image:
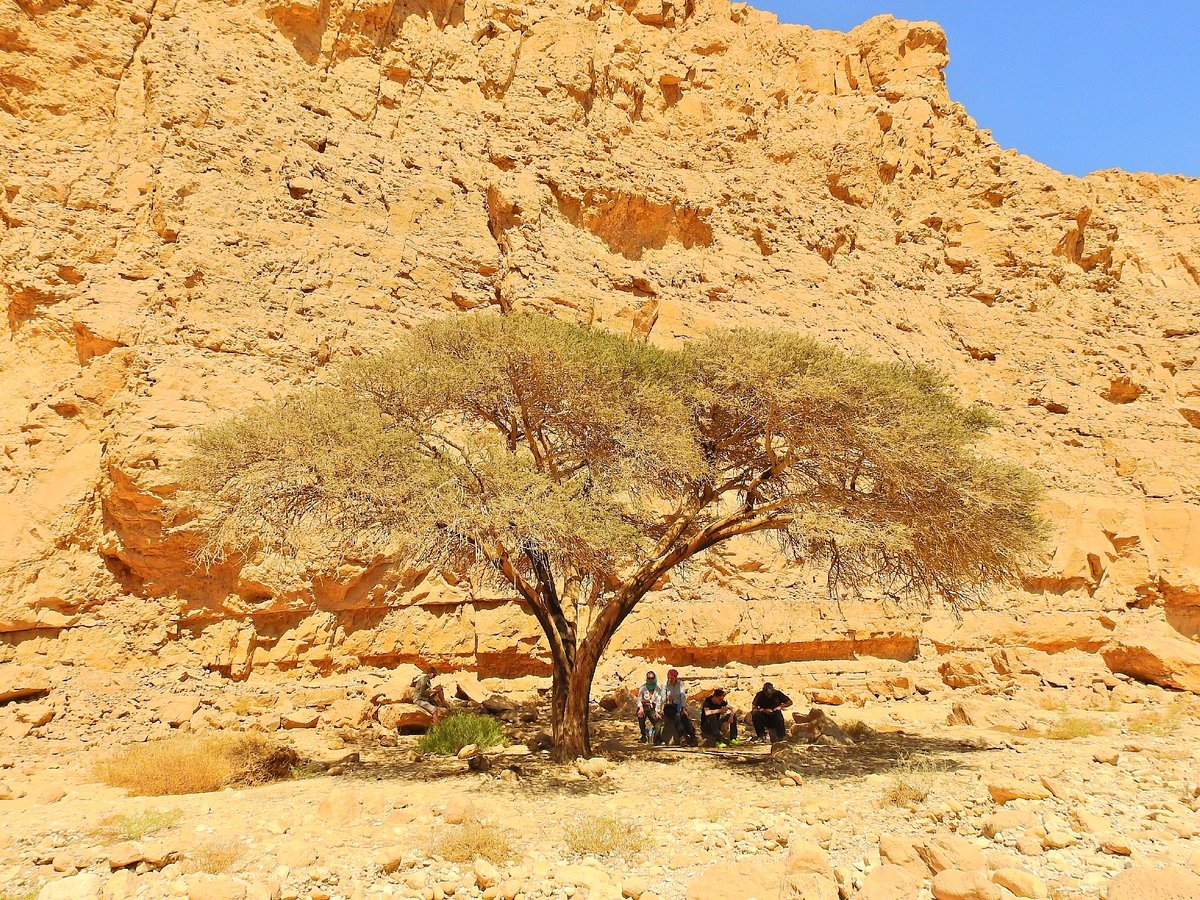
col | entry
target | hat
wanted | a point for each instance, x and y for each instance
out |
(671, 672)
(650, 676)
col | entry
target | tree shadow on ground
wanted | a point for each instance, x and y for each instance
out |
(615, 739)
(875, 754)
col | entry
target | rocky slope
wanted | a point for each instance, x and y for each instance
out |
(205, 203)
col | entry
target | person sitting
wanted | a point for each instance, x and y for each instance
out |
(767, 713)
(428, 697)
(650, 709)
(718, 722)
(676, 718)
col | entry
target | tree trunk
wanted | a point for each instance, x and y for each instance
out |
(558, 701)
(572, 733)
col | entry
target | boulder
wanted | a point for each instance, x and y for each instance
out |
(397, 688)
(85, 886)
(808, 873)
(1021, 883)
(955, 884)
(951, 851)
(23, 682)
(889, 882)
(1154, 651)
(723, 881)
(300, 718)
(348, 712)
(1145, 883)
(458, 810)
(178, 710)
(815, 727)
(397, 716)
(595, 767)
(1005, 789)
(468, 688)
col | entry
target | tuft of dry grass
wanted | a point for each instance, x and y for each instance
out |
(216, 855)
(601, 836)
(473, 840)
(18, 895)
(136, 825)
(196, 764)
(1068, 727)
(1162, 722)
(911, 783)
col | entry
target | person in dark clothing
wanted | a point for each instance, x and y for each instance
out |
(767, 713)
(718, 723)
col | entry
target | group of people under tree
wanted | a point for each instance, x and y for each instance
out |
(663, 715)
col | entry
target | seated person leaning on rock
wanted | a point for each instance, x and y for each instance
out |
(718, 722)
(677, 719)
(427, 697)
(767, 713)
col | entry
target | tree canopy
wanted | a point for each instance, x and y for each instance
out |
(578, 467)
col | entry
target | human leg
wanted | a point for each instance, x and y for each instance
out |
(759, 719)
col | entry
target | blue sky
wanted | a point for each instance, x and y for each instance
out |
(1078, 85)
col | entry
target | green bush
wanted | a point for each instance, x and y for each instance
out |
(457, 731)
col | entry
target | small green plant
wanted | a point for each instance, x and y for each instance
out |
(18, 895)
(457, 731)
(137, 825)
(473, 840)
(601, 836)
(911, 782)
(308, 770)
(1069, 727)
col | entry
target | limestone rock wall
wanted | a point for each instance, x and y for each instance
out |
(206, 203)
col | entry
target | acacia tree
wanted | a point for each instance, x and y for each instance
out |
(578, 467)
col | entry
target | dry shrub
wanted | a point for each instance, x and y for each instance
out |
(195, 764)
(136, 825)
(473, 840)
(911, 783)
(215, 855)
(601, 836)
(1068, 728)
(1163, 722)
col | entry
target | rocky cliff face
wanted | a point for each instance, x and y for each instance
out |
(205, 203)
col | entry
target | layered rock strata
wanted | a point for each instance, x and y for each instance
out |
(205, 204)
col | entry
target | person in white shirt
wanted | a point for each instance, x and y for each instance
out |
(649, 709)
(675, 708)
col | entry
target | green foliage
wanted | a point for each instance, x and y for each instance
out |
(136, 825)
(580, 466)
(457, 731)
